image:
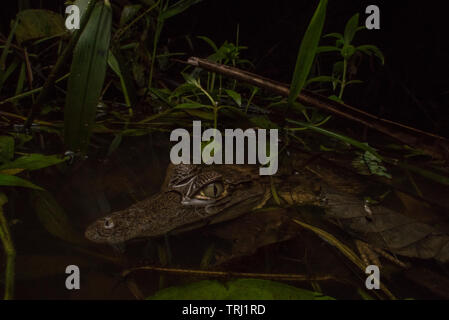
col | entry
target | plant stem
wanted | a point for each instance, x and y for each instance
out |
(215, 116)
(9, 251)
(157, 33)
(343, 81)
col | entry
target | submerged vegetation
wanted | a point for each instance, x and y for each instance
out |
(69, 95)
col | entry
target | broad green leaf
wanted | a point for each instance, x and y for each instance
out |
(86, 79)
(82, 5)
(53, 217)
(307, 51)
(240, 289)
(235, 96)
(33, 161)
(351, 29)
(13, 181)
(38, 23)
(6, 148)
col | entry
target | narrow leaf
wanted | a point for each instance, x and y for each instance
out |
(13, 181)
(307, 51)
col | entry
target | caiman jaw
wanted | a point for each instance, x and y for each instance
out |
(194, 196)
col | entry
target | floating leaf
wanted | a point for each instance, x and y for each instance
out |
(240, 289)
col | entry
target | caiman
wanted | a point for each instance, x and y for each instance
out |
(194, 196)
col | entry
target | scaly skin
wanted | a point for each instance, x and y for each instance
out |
(182, 205)
(179, 205)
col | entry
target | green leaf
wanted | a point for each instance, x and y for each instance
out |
(115, 143)
(347, 51)
(53, 217)
(307, 51)
(86, 79)
(235, 96)
(6, 148)
(38, 23)
(323, 49)
(358, 144)
(370, 49)
(34, 161)
(354, 82)
(209, 42)
(13, 181)
(129, 12)
(190, 80)
(338, 36)
(351, 29)
(369, 164)
(177, 8)
(115, 66)
(200, 114)
(240, 289)
(322, 79)
(193, 105)
(264, 122)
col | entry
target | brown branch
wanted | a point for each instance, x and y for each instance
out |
(433, 145)
(223, 274)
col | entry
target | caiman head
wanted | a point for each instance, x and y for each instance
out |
(192, 196)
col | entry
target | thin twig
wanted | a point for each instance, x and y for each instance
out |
(224, 274)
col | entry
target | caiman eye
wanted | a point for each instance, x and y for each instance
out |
(108, 223)
(211, 191)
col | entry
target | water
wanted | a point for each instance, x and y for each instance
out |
(136, 170)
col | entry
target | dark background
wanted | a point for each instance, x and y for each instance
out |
(412, 87)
